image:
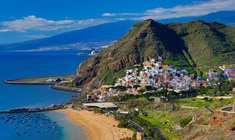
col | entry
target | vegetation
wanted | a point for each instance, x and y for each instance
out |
(197, 44)
(214, 103)
(134, 122)
(188, 58)
(166, 127)
(167, 115)
(105, 77)
(185, 121)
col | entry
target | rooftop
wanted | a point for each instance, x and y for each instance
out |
(101, 105)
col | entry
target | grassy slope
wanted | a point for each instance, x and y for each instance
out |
(209, 44)
(159, 114)
(194, 44)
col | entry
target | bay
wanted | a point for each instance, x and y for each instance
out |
(16, 65)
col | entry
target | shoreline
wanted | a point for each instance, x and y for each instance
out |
(97, 126)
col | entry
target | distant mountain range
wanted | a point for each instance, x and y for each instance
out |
(102, 35)
(225, 17)
(84, 39)
(196, 45)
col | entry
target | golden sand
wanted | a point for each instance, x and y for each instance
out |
(97, 126)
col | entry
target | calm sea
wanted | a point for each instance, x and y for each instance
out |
(36, 126)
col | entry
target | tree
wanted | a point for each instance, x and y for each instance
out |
(203, 90)
(232, 92)
(172, 94)
(182, 93)
(211, 92)
(162, 92)
(122, 88)
(148, 88)
(231, 85)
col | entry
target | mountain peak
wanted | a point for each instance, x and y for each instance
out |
(149, 21)
(191, 44)
(144, 41)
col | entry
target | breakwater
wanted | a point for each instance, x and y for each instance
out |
(65, 88)
(56, 82)
(18, 82)
(42, 109)
(49, 80)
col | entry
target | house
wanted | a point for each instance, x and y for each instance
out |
(230, 73)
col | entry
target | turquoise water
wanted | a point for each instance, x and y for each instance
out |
(14, 65)
(70, 130)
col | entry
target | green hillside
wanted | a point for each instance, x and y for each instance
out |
(209, 44)
(195, 44)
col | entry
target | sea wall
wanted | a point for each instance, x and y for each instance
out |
(65, 88)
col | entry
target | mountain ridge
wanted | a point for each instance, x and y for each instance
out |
(225, 17)
(104, 34)
(88, 38)
(191, 44)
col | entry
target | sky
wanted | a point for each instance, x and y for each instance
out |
(22, 20)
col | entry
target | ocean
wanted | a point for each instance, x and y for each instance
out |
(36, 126)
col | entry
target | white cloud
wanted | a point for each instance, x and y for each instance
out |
(5, 30)
(37, 36)
(119, 14)
(34, 23)
(108, 14)
(194, 9)
(41, 24)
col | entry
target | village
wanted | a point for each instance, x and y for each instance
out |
(157, 76)
(153, 78)
(144, 82)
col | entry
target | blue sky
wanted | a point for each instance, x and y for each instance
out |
(22, 20)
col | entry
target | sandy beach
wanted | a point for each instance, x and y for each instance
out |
(97, 126)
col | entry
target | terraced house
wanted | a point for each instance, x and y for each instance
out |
(159, 76)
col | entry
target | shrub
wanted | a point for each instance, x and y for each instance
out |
(145, 114)
(97, 110)
(185, 121)
(123, 124)
(214, 117)
(210, 100)
(221, 99)
(233, 122)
